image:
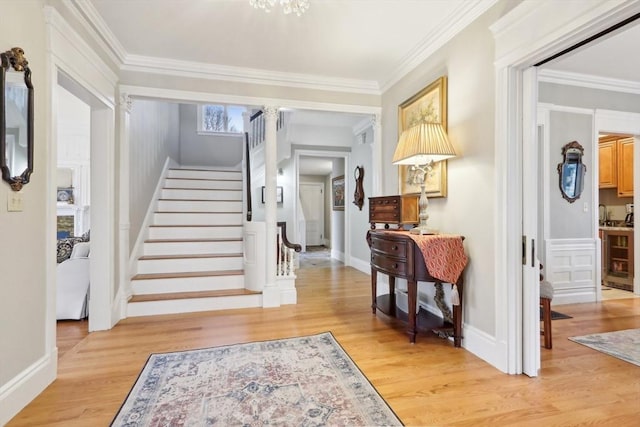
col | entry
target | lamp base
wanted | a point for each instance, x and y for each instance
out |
(423, 230)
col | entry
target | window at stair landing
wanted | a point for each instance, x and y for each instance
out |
(217, 119)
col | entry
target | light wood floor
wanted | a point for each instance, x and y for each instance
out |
(429, 383)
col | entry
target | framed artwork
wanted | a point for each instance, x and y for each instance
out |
(337, 193)
(428, 105)
(65, 195)
(279, 196)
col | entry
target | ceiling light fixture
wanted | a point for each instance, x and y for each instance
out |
(288, 6)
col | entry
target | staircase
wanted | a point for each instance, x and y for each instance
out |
(193, 257)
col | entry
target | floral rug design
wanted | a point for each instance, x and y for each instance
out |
(304, 381)
(624, 344)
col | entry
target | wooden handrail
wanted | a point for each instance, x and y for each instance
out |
(283, 226)
(248, 166)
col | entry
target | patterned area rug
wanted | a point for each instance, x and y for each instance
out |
(305, 381)
(624, 345)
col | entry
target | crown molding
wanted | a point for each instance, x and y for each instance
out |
(66, 32)
(208, 97)
(589, 81)
(457, 20)
(460, 18)
(246, 75)
(91, 21)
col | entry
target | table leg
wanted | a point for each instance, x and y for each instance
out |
(374, 290)
(412, 293)
(457, 316)
(392, 295)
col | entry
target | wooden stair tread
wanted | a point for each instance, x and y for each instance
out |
(188, 212)
(189, 295)
(187, 274)
(198, 200)
(219, 239)
(205, 170)
(207, 179)
(186, 256)
(196, 225)
(201, 189)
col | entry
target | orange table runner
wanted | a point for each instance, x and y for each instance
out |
(443, 255)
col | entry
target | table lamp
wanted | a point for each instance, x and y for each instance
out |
(421, 146)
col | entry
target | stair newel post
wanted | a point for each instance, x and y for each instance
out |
(271, 293)
(124, 287)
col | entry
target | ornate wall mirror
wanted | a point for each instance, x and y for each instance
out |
(572, 171)
(16, 119)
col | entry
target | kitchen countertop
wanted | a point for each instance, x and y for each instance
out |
(607, 228)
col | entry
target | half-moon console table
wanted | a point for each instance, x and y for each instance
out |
(401, 254)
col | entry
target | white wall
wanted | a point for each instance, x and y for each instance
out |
(74, 142)
(584, 97)
(154, 136)
(206, 150)
(361, 155)
(569, 220)
(337, 217)
(323, 136)
(469, 208)
(24, 349)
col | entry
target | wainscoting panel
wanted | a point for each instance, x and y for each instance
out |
(571, 269)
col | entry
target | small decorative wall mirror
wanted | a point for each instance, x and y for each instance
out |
(572, 171)
(16, 119)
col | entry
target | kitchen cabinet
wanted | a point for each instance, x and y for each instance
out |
(625, 167)
(608, 165)
(615, 168)
(617, 257)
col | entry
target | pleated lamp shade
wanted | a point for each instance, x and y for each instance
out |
(422, 144)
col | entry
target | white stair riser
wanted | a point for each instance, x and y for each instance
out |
(198, 206)
(185, 248)
(196, 194)
(150, 266)
(197, 218)
(187, 284)
(195, 232)
(203, 174)
(212, 185)
(193, 305)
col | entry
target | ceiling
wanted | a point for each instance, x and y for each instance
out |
(609, 56)
(334, 39)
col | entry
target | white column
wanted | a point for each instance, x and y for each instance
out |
(270, 294)
(124, 286)
(376, 156)
(246, 116)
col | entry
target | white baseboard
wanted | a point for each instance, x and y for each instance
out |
(335, 254)
(484, 346)
(27, 385)
(361, 265)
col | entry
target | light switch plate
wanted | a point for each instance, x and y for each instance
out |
(14, 202)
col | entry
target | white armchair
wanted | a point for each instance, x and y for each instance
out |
(73, 284)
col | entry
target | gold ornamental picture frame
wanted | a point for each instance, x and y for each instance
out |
(428, 105)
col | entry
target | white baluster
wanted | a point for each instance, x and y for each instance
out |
(279, 262)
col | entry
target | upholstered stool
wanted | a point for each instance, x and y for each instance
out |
(546, 295)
